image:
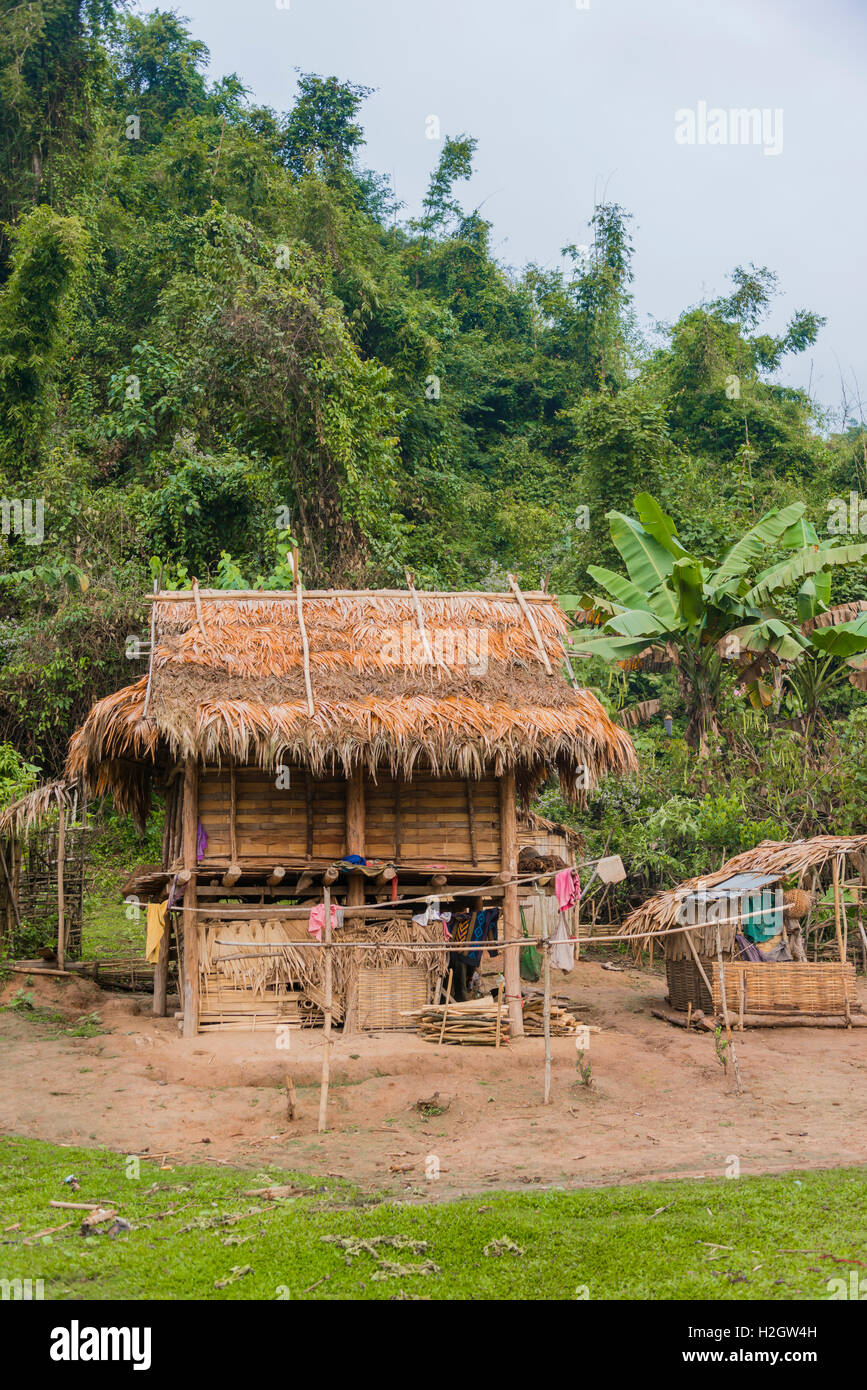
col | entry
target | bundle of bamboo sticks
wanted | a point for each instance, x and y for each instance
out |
(476, 1023)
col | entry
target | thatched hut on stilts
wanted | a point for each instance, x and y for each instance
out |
(375, 743)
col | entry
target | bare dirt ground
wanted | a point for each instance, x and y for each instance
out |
(660, 1105)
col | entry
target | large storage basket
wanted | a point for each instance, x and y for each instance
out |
(384, 991)
(685, 985)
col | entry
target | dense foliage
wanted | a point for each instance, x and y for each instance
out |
(217, 327)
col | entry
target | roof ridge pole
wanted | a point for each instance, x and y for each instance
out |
(419, 617)
(513, 583)
(305, 645)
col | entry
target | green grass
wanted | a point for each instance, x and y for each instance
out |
(22, 1003)
(193, 1226)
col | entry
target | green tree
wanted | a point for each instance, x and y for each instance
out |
(702, 614)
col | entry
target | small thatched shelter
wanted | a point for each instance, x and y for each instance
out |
(290, 730)
(779, 883)
(43, 838)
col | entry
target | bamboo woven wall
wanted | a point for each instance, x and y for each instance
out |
(785, 987)
(31, 861)
(419, 822)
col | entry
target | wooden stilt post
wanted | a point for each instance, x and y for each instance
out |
(835, 870)
(511, 919)
(161, 973)
(61, 915)
(546, 1008)
(326, 1029)
(355, 835)
(725, 1010)
(190, 916)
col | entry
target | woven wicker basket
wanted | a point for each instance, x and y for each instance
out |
(786, 987)
(685, 985)
(384, 991)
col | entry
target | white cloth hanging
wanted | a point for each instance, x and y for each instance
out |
(562, 949)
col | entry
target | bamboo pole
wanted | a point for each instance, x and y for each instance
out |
(326, 1028)
(722, 991)
(198, 603)
(522, 603)
(191, 916)
(61, 914)
(419, 617)
(148, 683)
(835, 870)
(305, 645)
(232, 595)
(446, 1005)
(499, 1012)
(12, 898)
(511, 919)
(701, 970)
(546, 1007)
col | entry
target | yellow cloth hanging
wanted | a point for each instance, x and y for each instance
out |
(156, 925)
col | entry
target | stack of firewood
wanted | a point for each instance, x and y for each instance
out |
(477, 1023)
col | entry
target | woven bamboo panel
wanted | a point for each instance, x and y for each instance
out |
(685, 985)
(223, 1005)
(383, 993)
(785, 987)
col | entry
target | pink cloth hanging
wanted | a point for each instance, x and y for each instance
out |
(316, 925)
(567, 888)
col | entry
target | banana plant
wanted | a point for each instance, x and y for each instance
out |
(704, 614)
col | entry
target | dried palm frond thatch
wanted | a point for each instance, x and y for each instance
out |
(19, 815)
(451, 683)
(783, 857)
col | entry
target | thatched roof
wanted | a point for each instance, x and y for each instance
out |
(19, 815)
(780, 857)
(471, 696)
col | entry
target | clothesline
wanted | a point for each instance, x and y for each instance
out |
(492, 947)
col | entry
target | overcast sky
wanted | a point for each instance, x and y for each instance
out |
(569, 104)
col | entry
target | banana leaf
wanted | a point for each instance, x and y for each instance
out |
(750, 546)
(647, 562)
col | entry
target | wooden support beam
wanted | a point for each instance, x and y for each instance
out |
(277, 875)
(61, 914)
(437, 882)
(231, 876)
(386, 874)
(511, 915)
(836, 864)
(355, 835)
(326, 1031)
(398, 808)
(471, 816)
(233, 815)
(190, 916)
(331, 875)
(308, 797)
